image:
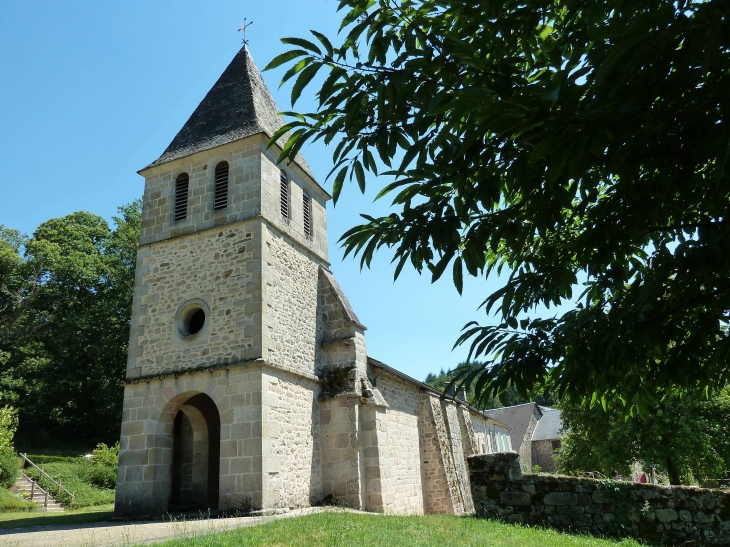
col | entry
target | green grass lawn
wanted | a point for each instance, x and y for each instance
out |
(11, 502)
(347, 529)
(40, 518)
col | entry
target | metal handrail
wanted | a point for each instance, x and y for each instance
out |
(33, 485)
(60, 486)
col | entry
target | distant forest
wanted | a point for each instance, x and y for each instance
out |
(510, 396)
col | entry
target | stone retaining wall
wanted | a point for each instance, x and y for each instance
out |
(668, 515)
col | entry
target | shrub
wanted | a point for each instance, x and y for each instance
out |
(103, 476)
(40, 459)
(9, 467)
(106, 455)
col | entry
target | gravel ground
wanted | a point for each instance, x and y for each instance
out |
(104, 534)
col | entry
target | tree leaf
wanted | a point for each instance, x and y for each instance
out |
(301, 42)
(304, 78)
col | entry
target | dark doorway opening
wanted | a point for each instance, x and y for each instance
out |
(195, 456)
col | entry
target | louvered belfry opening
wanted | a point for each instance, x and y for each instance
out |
(307, 208)
(284, 195)
(221, 185)
(181, 196)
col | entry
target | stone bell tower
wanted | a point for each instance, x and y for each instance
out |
(225, 353)
(248, 385)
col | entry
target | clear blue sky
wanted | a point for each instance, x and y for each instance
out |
(91, 92)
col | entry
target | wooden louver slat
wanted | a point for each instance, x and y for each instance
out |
(181, 196)
(284, 195)
(307, 208)
(221, 186)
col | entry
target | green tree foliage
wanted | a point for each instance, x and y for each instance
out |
(8, 426)
(66, 304)
(685, 438)
(9, 462)
(571, 143)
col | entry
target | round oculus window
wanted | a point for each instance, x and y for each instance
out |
(193, 321)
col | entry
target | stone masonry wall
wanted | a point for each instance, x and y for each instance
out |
(452, 422)
(404, 485)
(253, 190)
(145, 458)
(220, 269)
(244, 191)
(290, 287)
(291, 446)
(340, 439)
(486, 432)
(525, 448)
(543, 455)
(437, 496)
(669, 515)
(298, 184)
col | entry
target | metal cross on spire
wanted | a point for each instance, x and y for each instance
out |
(243, 28)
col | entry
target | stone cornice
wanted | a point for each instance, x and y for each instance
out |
(147, 378)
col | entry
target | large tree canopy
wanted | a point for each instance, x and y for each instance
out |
(579, 145)
(65, 306)
(685, 438)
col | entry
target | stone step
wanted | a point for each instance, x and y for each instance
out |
(25, 486)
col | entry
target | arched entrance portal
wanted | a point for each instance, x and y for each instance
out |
(195, 455)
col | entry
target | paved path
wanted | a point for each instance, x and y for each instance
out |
(105, 534)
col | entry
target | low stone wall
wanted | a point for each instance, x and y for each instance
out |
(668, 515)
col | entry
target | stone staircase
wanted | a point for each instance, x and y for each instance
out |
(35, 493)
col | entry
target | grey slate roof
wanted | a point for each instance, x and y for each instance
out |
(238, 105)
(517, 418)
(550, 426)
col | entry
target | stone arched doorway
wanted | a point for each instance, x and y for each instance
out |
(195, 465)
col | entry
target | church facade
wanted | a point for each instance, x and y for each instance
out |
(248, 382)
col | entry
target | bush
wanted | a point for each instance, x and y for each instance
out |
(9, 467)
(40, 459)
(103, 476)
(106, 455)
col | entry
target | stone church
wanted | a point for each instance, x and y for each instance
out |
(248, 384)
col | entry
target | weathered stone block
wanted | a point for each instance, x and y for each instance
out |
(666, 515)
(702, 517)
(600, 497)
(560, 498)
(570, 510)
(515, 498)
(562, 520)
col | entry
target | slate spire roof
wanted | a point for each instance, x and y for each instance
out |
(238, 105)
